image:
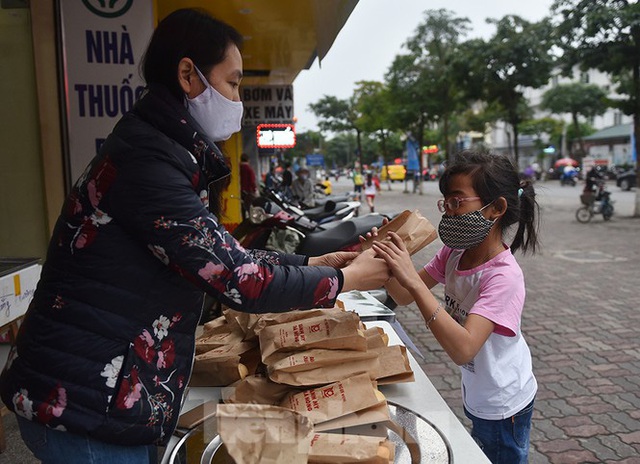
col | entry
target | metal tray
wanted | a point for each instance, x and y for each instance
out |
(417, 441)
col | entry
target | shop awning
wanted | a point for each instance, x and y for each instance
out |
(282, 37)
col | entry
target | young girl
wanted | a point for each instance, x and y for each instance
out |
(478, 325)
(371, 187)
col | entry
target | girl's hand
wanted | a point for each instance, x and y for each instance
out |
(337, 259)
(395, 253)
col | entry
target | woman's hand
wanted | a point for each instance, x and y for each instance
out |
(395, 253)
(373, 232)
(338, 259)
(366, 272)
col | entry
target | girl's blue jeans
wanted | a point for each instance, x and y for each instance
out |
(504, 441)
(57, 447)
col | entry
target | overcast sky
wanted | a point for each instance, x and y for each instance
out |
(374, 35)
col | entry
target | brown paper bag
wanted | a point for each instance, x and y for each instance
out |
(320, 367)
(394, 365)
(336, 399)
(269, 319)
(415, 230)
(260, 434)
(215, 326)
(338, 331)
(341, 448)
(217, 369)
(376, 338)
(196, 416)
(216, 340)
(256, 389)
(372, 415)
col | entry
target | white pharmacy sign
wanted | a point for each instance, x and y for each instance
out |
(102, 44)
(271, 104)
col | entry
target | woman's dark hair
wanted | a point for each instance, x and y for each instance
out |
(494, 176)
(369, 179)
(190, 33)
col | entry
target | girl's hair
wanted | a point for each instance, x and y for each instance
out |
(190, 33)
(369, 179)
(494, 176)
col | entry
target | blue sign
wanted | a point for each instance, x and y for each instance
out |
(315, 160)
(413, 164)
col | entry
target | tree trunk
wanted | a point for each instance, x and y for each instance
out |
(446, 138)
(514, 125)
(578, 135)
(359, 148)
(420, 144)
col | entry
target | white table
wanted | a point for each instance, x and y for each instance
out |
(419, 396)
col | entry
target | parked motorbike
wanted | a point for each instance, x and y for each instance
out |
(595, 202)
(330, 210)
(273, 224)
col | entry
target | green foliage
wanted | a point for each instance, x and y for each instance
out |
(517, 56)
(334, 115)
(422, 82)
(577, 99)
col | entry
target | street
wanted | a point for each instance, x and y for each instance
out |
(580, 320)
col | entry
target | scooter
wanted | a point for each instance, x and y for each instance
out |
(330, 211)
(598, 202)
(273, 225)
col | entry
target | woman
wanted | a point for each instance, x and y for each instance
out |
(105, 351)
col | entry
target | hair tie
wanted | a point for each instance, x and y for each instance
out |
(520, 192)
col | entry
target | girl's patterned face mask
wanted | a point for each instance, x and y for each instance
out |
(466, 230)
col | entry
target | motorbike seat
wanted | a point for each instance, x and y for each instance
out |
(323, 212)
(338, 236)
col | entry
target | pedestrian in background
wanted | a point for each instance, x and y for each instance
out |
(302, 189)
(105, 352)
(358, 182)
(371, 187)
(479, 323)
(248, 185)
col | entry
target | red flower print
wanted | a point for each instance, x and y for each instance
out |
(87, 234)
(143, 346)
(166, 355)
(252, 279)
(53, 406)
(130, 391)
(94, 195)
(326, 291)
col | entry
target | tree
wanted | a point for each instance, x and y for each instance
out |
(434, 46)
(338, 116)
(496, 71)
(577, 99)
(372, 99)
(605, 35)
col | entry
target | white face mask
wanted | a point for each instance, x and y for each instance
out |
(218, 116)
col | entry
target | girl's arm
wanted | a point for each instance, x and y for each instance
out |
(401, 295)
(461, 343)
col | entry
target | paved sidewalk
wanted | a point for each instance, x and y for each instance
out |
(581, 320)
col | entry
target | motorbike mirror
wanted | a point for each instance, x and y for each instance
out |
(257, 214)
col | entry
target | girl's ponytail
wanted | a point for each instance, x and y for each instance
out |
(526, 236)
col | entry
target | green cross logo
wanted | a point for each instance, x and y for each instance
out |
(108, 8)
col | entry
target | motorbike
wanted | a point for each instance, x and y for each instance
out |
(333, 208)
(569, 179)
(598, 202)
(273, 224)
